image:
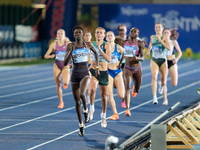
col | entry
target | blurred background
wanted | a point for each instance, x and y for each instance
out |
(27, 27)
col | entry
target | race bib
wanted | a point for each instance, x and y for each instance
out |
(60, 55)
(129, 51)
(157, 51)
(80, 55)
(114, 59)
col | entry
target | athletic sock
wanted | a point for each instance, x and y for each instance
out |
(91, 107)
(103, 115)
(85, 111)
(81, 125)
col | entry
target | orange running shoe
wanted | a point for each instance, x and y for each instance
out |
(114, 117)
(65, 86)
(134, 93)
(128, 113)
(61, 105)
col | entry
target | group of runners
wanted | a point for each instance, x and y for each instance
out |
(111, 63)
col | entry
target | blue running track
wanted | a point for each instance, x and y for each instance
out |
(30, 119)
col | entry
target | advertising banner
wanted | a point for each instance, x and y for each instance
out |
(186, 18)
(32, 50)
(8, 51)
(7, 34)
(60, 14)
(26, 33)
(23, 33)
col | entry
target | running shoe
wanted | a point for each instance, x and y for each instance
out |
(103, 122)
(91, 114)
(128, 113)
(61, 105)
(155, 101)
(134, 93)
(114, 117)
(123, 105)
(86, 118)
(65, 86)
(81, 131)
(165, 102)
(198, 91)
(160, 90)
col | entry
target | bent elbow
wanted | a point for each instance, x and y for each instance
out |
(109, 60)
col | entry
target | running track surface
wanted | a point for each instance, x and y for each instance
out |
(30, 119)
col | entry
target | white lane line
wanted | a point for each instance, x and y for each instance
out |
(190, 72)
(146, 67)
(24, 76)
(44, 69)
(175, 91)
(45, 120)
(25, 83)
(28, 133)
(23, 92)
(33, 102)
(180, 75)
(47, 79)
(34, 90)
(36, 118)
(48, 87)
(22, 69)
(49, 98)
(65, 121)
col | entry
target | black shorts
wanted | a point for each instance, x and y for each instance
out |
(78, 74)
(159, 61)
(170, 63)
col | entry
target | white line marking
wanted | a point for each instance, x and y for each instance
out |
(52, 97)
(33, 102)
(190, 72)
(51, 78)
(23, 92)
(178, 90)
(144, 75)
(71, 120)
(24, 76)
(36, 118)
(25, 83)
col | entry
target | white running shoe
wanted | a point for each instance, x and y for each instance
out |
(91, 114)
(155, 101)
(165, 102)
(103, 122)
(160, 90)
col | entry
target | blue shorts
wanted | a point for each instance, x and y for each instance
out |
(113, 73)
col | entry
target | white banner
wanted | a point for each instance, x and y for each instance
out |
(23, 33)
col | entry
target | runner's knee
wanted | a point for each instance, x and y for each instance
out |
(78, 103)
(93, 90)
